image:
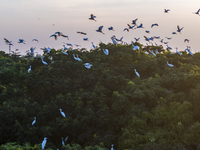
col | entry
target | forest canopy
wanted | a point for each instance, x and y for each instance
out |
(103, 105)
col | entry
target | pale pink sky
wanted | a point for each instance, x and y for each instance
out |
(29, 19)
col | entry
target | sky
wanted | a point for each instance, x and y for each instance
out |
(38, 19)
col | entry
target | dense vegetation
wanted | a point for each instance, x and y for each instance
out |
(107, 104)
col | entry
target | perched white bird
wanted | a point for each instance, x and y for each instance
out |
(44, 142)
(64, 52)
(137, 73)
(153, 53)
(106, 51)
(112, 147)
(135, 47)
(63, 143)
(147, 53)
(88, 65)
(62, 113)
(76, 58)
(34, 121)
(170, 64)
(178, 51)
(45, 63)
(29, 69)
(65, 47)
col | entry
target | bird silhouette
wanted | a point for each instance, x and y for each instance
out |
(35, 40)
(54, 35)
(111, 28)
(81, 32)
(21, 41)
(155, 24)
(140, 26)
(126, 29)
(134, 21)
(92, 17)
(186, 40)
(65, 36)
(137, 39)
(197, 12)
(179, 29)
(100, 29)
(166, 10)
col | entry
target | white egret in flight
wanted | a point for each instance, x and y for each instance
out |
(92, 17)
(100, 29)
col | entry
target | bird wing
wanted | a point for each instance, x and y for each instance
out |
(100, 28)
(178, 27)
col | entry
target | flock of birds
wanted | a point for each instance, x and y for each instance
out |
(105, 51)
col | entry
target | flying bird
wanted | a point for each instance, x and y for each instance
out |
(100, 29)
(21, 41)
(197, 12)
(173, 32)
(93, 45)
(166, 10)
(126, 29)
(59, 33)
(134, 21)
(32, 50)
(140, 26)
(186, 40)
(111, 28)
(35, 40)
(82, 33)
(130, 27)
(85, 39)
(147, 31)
(155, 24)
(92, 17)
(54, 35)
(65, 36)
(168, 38)
(137, 39)
(179, 29)
(62, 113)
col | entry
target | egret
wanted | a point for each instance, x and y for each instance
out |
(136, 47)
(130, 27)
(92, 17)
(169, 47)
(178, 51)
(114, 40)
(173, 32)
(76, 58)
(112, 147)
(100, 29)
(82, 33)
(44, 142)
(186, 40)
(134, 21)
(21, 41)
(157, 37)
(68, 44)
(166, 10)
(66, 139)
(137, 39)
(62, 113)
(85, 39)
(197, 12)
(32, 50)
(59, 33)
(65, 47)
(147, 53)
(179, 29)
(137, 73)
(140, 26)
(119, 40)
(29, 69)
(157, 51)
(155, 24)
(93, 45)
(45, 63)
(147, 31)
(88, 65)
(111, 28)
(168, 38)
(54, 35)
(35, 40)
(63, 143)
(34, 121)
(153, 53)
(170, 64)
(126, 29)
(64, 52)
(65, 36)
(106, 51)
(165, 42)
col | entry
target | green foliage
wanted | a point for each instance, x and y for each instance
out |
(105, 104)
